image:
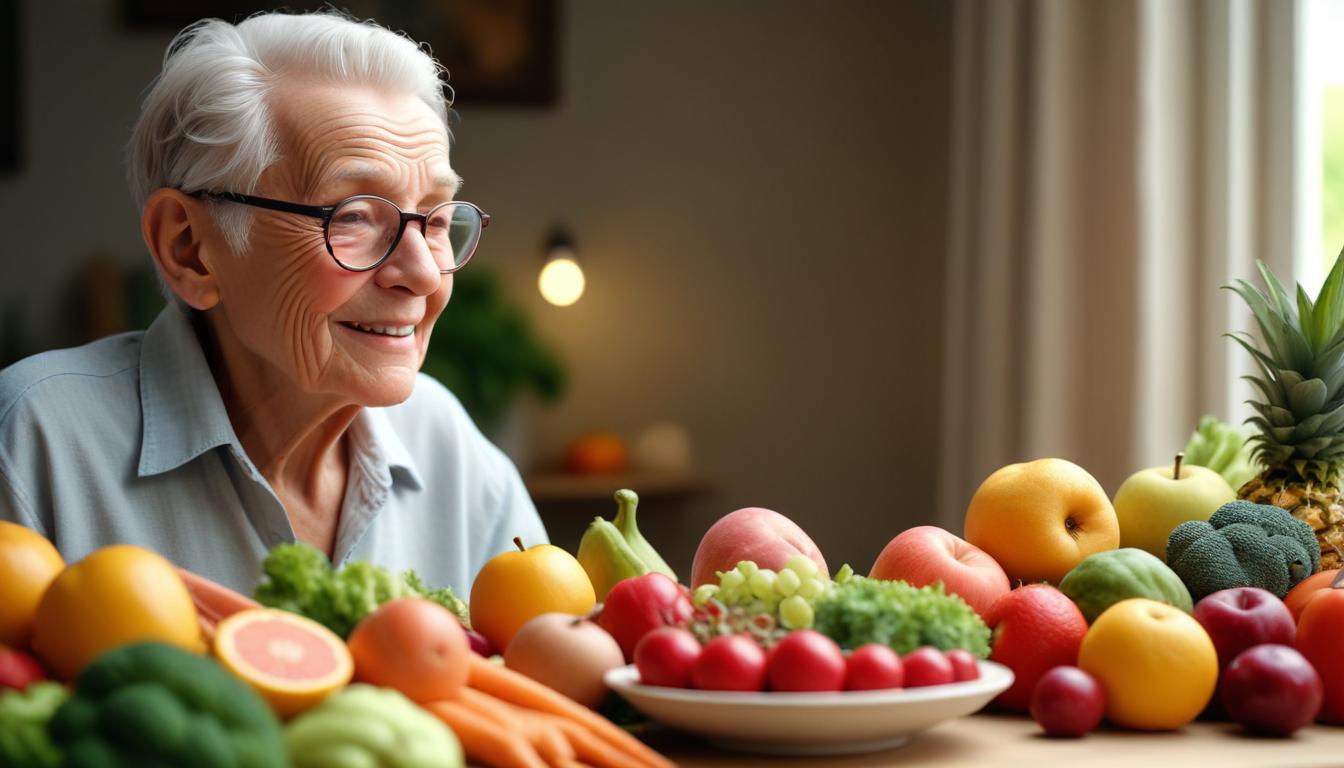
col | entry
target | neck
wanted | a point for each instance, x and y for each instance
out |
(295, 439)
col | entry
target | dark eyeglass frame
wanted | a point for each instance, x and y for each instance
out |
(325, 212)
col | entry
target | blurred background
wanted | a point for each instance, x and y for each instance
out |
(839, 260)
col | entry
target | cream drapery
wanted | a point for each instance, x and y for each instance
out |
(1113, 163)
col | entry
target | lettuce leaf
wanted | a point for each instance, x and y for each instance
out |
(301, 580)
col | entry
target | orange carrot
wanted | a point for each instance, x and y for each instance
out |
(214, 602)
(589, 747)
(483, 740)
(514, 688)
(545, 738)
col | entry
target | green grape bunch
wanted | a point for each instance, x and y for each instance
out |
(761, 602)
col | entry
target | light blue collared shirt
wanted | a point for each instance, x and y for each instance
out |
(126, 440)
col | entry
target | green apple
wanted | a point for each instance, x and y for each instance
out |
(1153, 501)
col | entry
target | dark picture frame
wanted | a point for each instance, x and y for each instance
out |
(11, 88)
(497, 52)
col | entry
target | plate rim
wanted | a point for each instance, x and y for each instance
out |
(624, 678)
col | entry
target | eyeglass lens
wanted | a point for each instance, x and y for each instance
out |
(363, 230)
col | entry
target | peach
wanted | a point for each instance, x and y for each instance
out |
(1039, 519)
(928, 553)
(762, 536)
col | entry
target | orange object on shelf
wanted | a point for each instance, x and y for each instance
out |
(597, 453)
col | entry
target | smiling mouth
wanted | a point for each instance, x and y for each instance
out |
(382, 330)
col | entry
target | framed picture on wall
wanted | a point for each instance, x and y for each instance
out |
(498, 52)
(11, 92)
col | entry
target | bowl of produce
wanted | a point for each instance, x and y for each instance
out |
(810, 723)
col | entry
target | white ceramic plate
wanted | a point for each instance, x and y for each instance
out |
(810, 723)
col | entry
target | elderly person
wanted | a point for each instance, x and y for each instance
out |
(293, 178)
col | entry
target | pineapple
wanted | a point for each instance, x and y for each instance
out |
(1300, 414)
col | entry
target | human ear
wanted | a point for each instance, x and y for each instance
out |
(173, 225)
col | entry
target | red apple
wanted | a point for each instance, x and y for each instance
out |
(1271, 689)
(805, 660)
(1067, 701)
(639, 605)
(762, 536)
(928, 553)
(1241, 617)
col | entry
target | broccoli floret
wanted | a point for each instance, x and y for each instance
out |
(152, 704)
(893, 613)
(1243, 545)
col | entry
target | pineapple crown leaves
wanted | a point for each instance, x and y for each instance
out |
(1301, 415)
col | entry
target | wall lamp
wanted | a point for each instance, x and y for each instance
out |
(561, 281)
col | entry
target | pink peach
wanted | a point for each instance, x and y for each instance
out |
(762, 536)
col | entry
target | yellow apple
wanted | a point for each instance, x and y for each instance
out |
(515, 587)
(1040, 518)
(1154, 501)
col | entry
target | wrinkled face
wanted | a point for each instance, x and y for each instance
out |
(287, 301)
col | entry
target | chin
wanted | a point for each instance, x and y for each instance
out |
(388, 389)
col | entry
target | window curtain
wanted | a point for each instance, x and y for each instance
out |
(1113, 163)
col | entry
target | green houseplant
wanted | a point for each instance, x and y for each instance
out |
(485, 350)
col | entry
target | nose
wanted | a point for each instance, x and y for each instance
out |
(411, 265)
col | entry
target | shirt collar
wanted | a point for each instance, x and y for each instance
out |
(184, 415)
(376, 441)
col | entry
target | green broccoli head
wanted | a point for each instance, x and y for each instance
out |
(1243, 545)
(152, 704)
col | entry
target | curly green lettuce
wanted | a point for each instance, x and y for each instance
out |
(301, 580)
(862, 610)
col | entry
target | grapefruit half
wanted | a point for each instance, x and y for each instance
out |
(292, 661)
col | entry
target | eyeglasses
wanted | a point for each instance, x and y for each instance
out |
(363, 230)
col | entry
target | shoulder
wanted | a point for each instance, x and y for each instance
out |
(69, 380)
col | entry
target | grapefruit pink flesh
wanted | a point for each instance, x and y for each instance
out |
(292, 661)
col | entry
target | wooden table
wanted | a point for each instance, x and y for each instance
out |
(994, 740)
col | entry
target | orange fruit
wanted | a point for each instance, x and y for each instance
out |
(1041, 518)
(1318, 638)
(1308, 588)
(413, 645)
(115, 596)
(515, 587)
(28, 564)
(1035, 629)
(291, 660)
(596, 453)
(1155, 662)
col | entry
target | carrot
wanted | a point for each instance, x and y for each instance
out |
(590, 748)
(214, 602)
(522, 691)
(483, 740)
(545, 738)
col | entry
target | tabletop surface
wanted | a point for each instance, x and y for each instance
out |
(990, 740)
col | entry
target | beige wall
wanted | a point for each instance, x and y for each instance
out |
(758, 194)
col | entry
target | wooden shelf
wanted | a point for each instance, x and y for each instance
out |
(561, 487)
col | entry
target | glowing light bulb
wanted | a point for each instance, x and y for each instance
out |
(561, 280)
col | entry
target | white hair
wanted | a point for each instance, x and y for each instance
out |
(205, 123)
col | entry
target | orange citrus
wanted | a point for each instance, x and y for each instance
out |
(515, 587)
(1155, 662)
(115, 596)
(28, 563)
(291, 660)
(1041, 518)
